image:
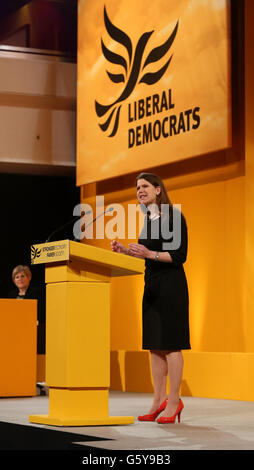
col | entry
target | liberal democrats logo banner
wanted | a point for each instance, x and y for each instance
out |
(153, 84)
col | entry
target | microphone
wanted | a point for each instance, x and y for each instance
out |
(58, 229)
(97, 217)
(92, 222)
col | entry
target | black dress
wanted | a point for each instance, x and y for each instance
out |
(165, 306)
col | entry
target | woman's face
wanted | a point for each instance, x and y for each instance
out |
(21, 280)
(147, 192)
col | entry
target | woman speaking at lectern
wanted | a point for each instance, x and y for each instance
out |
(165, 308)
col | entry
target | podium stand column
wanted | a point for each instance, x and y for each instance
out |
(77, 348)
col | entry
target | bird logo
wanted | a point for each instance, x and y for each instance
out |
(35, 253)
(133, 71)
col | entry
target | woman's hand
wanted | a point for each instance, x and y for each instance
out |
(118, 247)
(138, 250)
(135, 249)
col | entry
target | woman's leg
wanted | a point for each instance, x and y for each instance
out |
(175, 371)
(159, 372)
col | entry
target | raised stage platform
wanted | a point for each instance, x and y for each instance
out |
(207, 424)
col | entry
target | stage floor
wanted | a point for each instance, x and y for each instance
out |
(207, 424)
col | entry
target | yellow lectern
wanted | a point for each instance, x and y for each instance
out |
(78, 330)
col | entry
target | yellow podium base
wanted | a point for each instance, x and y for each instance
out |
(79, 407)
(107, 421)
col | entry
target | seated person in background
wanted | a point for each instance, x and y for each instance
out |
(21, 277)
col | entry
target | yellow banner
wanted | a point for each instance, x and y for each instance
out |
(153, 83)
(50, 252)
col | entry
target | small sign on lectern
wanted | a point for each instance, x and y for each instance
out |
(50, 252)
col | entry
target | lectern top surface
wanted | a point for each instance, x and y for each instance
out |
(65, 250)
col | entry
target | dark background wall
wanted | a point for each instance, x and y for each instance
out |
(34, 203)
(39, 24)
(32, 207)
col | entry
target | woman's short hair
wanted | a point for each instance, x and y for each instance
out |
(21, 268)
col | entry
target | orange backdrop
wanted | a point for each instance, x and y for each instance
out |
(153, 84)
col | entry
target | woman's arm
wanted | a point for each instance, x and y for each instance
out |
(140, 251)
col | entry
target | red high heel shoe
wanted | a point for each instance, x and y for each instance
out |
(171, 419)
(153, 416)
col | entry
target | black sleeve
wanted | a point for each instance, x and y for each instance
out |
(12, 294)
(42, 305)
(35, 292)
(179, 254)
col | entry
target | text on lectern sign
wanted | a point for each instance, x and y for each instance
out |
(50, 252)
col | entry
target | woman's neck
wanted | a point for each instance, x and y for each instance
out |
(153, 209)
(22, 291)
